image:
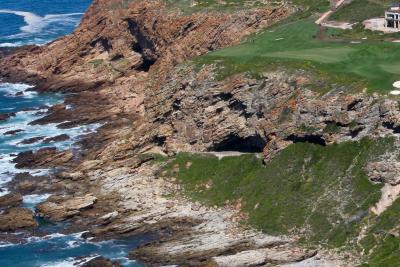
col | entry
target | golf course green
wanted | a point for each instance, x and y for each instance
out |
(370, 64)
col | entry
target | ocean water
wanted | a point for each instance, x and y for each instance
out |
(39, 22)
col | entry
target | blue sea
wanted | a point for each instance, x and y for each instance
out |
(38, 22)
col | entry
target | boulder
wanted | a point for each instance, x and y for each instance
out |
(32, 140)
(59, 208)
(45, 157)
(6, 116)
(17, 218)
(13, 132)
(10, 200)
(101, 262)
(58, 138)
(384, 171)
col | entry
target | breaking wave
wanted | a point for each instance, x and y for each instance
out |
(36, 23)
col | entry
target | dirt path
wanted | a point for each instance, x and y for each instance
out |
(327, 14)
(223, 154)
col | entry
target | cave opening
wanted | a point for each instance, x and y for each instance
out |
(313, 139)
(143, 46)
(233, 142)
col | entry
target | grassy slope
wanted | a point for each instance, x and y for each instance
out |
(310, 190)
(294, 46)
(360, 10)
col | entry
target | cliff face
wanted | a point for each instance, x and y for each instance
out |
(122, 47)
(114, 41)
(127, 65)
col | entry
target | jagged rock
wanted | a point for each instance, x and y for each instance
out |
(10, 200)
(58, 138)
(59, 208)
(74, 176)
(13, 132)
(45, 157)
(386, 171)
(101, 262)
(6, 116)
(17, 218)
(32, 140)
(263, 256)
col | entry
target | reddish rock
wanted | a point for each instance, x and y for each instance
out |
(45, 157)
(58, 208)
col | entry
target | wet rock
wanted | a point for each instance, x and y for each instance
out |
(6, 116)
(58, 208)
(17, 218)
(58, 138)
(10, 200)
(13, 132)
(31, 140)
(45, 157)
(24, 183)
(101, 262)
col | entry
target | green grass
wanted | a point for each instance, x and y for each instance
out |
(96, 62)
(294, 46)
(380, 244)
(360, 10)
(308, 189)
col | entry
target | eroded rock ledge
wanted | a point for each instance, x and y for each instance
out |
(123, 64)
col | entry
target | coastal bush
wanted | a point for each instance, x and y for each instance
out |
(319, 193)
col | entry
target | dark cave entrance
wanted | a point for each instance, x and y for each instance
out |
(251, 144)
(312, 139)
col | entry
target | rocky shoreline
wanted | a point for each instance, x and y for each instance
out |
(121, 68)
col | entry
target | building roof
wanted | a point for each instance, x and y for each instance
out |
(395, 8)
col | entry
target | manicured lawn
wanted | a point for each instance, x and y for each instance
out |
(371, 64)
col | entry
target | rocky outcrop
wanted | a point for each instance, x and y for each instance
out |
(6, 116)
(43, 158)
(16, 219)
(10, 200)
(124, 64)
(100, 262)
(58, 208)
(260, 257)
(58, 138)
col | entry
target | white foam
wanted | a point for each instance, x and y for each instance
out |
(16, 44)
(36, 23)
(5, 244)
(34, 199)
(70, 262)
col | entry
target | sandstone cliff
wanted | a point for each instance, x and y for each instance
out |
(127, 65)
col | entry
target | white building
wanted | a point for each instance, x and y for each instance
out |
(392, 16)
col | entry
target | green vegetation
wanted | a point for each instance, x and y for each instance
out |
(360, 10)
(321, 193)
(295, 46)
(381, 242)
(96, 62)
(332, 128)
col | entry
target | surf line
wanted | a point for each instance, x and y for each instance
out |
(36, 23)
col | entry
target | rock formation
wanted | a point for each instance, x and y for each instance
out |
(125, 66)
